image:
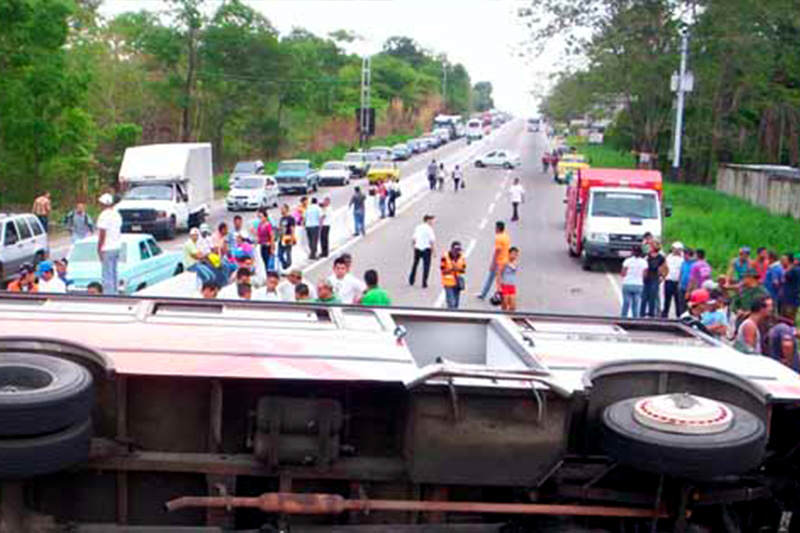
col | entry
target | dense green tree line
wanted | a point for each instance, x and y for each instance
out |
(76, 89)
(745, 106)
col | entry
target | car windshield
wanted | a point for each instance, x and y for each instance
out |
(292, 166)
(86, 252)
(149, 192)
(354, 157)
(624, 205)
(245, 166)
(250, 183)
(333, 166)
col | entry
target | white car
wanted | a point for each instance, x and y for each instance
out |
(474, 130)
(245, 168)
(335, 173)
(253, 192)
(499, 158)
(22, 240)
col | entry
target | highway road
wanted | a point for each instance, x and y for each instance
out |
(549, 280)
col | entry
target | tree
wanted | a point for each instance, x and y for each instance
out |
(482, 100)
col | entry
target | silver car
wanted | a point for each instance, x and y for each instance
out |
(22, 240)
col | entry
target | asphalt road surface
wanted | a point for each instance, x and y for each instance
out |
(549, 280)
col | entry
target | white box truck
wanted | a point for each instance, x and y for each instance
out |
(166, 188)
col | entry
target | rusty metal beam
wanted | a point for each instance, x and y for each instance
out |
(346, 468)
(323, 504)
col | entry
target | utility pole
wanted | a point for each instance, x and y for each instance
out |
(363, 125)
(681, 83)
(444, 84)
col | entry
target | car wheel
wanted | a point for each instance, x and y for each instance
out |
(479, 164)
(178, 269)
(33, 456)
(508, 166)
(633, 433)
(171, 229)
(41, 394)
(586, 260)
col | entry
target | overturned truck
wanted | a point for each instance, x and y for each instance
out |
(139, 414)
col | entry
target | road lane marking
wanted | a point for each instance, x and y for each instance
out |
(497, 196)
(615, 286)
(491, 207)
(483, 223)
(441, 298)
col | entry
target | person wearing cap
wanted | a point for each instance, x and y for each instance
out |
(26, 280)
(672, 283)
(192, 254)
(739, 265)
(48, 281)
(109, 242)
(715, 317)
(789, 299)
(453, 268)
(748, 336)
(422, 243)
(750, 291)
(697, 304)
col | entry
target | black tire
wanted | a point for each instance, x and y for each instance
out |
(33, 403)
(178, 269)
(586, 261)
(46, 454)
(507, 166)
(738, 449)
(478, 164)
(169, 234)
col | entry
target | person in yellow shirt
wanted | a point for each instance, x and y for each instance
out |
(502, 244)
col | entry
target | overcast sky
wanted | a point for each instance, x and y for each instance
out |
(483, 35)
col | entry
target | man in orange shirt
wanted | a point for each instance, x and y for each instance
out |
(502, 244)
(26, 280)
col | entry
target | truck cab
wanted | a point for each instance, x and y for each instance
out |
(609, 211)
(296, 175)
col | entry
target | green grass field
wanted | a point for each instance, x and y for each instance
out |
(704, 218)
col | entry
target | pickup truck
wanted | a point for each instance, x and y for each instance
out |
(297, 175)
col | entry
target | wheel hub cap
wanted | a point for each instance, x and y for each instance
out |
(683, 413)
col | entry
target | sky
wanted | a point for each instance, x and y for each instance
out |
(483, 35)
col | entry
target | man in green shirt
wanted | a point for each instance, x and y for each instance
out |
(374, 295)
(325, 293)
(751, 291)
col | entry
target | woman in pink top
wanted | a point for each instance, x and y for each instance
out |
(265, 237)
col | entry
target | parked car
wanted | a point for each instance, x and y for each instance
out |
(245, 168)
(383, 170)
(424, 144)
(474, 130)
(141, 263)
(358, 162)
(335, 173)
(435, 140)
(383, 152)
(445, 134)
(253, 192)
(413, 146)
(400, 152)
(297, 175)
(499, 158)
(22, 240)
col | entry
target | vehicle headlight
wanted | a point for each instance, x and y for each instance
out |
(598, 237)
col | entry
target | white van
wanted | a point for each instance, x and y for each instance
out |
(474, 129)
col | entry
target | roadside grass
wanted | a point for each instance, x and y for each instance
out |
(317, 159)
(707, 219)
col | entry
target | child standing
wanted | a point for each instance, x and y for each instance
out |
(508, 281)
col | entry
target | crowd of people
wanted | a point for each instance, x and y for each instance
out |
(753, 305)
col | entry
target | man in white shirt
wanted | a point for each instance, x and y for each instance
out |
(517, 195)
(48, 281)
(205, 244)
(109, 242)
(423, 241)
(346, 287)
(672, 282)
(270, 291)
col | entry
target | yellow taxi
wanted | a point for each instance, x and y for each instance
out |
(382, 170)
(568, 166)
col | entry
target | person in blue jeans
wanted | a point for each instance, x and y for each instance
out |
(357, 202)
(633, 269)
(656, 271)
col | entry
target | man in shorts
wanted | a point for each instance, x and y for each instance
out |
(507, 281)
